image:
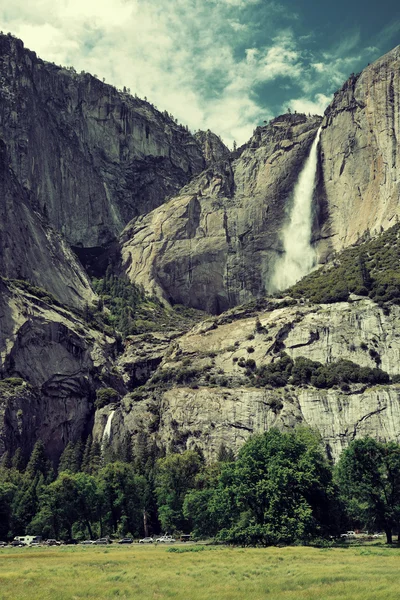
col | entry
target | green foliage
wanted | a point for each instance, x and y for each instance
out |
(126, 308)
(278, 491)
(180, 376)
(71, 458)
(369, 477)
(105, 396)
(36, 291)
(305, 371)
(175, 475)
(11, 386)
(369, 269)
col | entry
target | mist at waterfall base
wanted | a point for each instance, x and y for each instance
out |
(299, 256)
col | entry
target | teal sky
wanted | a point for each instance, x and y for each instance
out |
(226, 65)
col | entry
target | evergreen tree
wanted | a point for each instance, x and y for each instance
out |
(18, 460)
(94, 457)
(5, 460)
(85, 465)
(225, 455)
(38, 463)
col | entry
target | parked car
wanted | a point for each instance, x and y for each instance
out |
(17, 543)
(146, 540)
(102, 541)
(126, 541)
(52, 543)
(34, 545)
(348, 534)
(87, 542)
(166, 539)
(2, 544)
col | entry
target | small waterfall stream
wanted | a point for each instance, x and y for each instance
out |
(299, 256)
(107, 429)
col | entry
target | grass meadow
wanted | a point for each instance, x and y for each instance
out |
(217, 573)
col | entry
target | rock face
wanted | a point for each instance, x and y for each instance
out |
(360, 153)
(215, 244)
(212, 147)
(93, 157)
(79, 161)
(223, 406)
(59, 361)
(30, 249)
(233, 415)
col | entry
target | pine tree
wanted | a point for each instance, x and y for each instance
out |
(38, 463)
(5, 460)
(18, 460)
(94, 457)
(85, 465)
(225, 455)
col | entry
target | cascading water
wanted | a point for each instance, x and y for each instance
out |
(299, 257)
(107, 429)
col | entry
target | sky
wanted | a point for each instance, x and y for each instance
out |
(224, 65)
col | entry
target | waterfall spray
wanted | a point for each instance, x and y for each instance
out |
(299, 255)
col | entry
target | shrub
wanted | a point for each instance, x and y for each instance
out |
(105, 396)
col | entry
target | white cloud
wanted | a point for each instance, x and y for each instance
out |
(316, 106)
(186, 56)
(180, 55)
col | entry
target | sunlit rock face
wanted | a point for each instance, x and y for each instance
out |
(215, 244)
(221, 241)
(223, 407)
(92, 156)
(360, 153)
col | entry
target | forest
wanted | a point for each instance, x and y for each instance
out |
(280, 489)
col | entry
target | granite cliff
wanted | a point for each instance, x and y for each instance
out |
(82, 163)
(31, 250)
(92, 156)
(51, 364)
(202, 391)
(360, 158)
(216, 243)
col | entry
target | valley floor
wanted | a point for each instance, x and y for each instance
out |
(147, 572)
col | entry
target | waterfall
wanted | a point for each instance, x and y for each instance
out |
(299, 255)
(107, 429)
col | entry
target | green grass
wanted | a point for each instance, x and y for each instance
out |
(149, 572)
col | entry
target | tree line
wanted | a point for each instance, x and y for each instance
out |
(280, 489)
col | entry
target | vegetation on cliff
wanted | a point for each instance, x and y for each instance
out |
(126, 308)
(367, 269)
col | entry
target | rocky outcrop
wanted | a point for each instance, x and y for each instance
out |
(360, 176)
(212, 146)
(31, 250)
(215, 244)
(232, 416)
(51, 364)
(92, 156)
(222, 405)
